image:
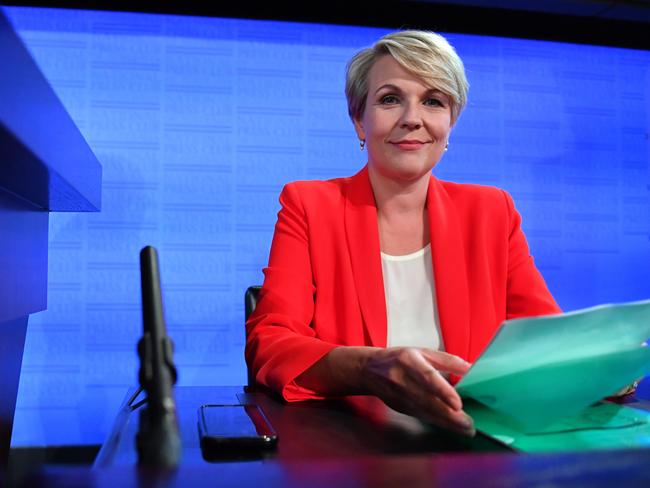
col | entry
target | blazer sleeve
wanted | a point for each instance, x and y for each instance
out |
(280, 343)
(527, 293)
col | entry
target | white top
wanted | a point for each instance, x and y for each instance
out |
(410, 300)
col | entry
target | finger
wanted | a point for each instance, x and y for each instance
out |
(413, 401)
(446, 362)
(441, 415)
(456, 420)
(464, 426)
(432, 382)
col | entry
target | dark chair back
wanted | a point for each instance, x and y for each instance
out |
(250, 302)
(250, 299)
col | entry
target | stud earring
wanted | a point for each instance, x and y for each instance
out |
(447, 146)
(362, 143)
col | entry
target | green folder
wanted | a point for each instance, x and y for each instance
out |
(600, 426)
(539, 373)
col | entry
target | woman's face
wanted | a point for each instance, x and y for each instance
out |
(405, 123)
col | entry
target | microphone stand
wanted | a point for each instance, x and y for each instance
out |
(158, 441)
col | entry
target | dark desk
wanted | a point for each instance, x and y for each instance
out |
(355, 442)
(358, 426)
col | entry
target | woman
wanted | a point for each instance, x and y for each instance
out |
(390, 282)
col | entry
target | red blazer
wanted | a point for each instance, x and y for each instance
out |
(324, 287)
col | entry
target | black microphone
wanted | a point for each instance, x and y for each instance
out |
(158, 441)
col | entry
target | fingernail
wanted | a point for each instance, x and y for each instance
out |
(466, 430)
(467, 423)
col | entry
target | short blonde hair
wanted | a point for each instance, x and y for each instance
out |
(425, 54)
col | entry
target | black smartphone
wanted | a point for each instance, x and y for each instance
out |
(235, 432)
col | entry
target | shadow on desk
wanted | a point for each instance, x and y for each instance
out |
(355, 426)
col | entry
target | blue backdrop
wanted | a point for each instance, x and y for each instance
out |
(198, 122)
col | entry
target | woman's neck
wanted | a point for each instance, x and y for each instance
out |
(394, 197)
(401, 213)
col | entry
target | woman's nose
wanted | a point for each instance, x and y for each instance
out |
(411, 117)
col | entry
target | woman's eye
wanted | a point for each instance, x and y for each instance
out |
(434, 102)
(389, 99)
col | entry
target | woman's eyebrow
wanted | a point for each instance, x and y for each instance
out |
(389, 86)
(395, 88)
(436, 91)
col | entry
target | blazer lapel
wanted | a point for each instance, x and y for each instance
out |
(362, 234)
(449, 270)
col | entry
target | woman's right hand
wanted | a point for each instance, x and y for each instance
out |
(410, 380)
(407, 379)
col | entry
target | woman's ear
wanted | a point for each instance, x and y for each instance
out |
(358, 127)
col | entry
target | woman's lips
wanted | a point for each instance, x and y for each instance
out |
(409, 145)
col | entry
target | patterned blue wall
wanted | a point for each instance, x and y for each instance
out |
(198, 122)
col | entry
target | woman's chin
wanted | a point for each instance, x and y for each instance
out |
(407, 173)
